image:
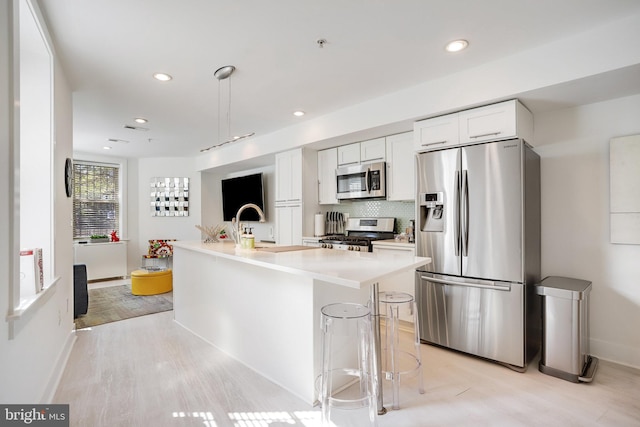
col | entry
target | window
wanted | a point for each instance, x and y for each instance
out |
(96, 198)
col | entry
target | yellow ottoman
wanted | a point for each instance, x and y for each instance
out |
(145, 282)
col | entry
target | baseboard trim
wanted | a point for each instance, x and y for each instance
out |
(58, 369)
(614, 352)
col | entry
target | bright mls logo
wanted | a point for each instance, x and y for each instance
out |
(35, 415)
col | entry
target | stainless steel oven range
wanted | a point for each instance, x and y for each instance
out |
(360, 232)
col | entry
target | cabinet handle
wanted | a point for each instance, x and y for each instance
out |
(435, 143)
(485, 134)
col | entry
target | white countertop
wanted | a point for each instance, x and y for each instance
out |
(346, 268)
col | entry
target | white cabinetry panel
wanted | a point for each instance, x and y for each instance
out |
(438, 132)
(400, 167)
(349, 154)
(504, 120)
(289, 176)
(373, 150)
(289, 225)
(296, 197)
(509, 119)
(327, 164)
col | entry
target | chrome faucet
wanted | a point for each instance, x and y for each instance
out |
(237, 218)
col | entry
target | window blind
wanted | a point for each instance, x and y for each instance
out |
(96, 198)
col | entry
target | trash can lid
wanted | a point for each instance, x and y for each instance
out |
(563, 287)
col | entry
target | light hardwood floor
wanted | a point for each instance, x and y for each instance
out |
(149, 371)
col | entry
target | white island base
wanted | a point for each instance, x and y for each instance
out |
(263, 309)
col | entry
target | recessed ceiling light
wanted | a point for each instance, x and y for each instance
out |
(298, 113)
(140, 120)
(106, 148)
(456, 45)
(162, 77)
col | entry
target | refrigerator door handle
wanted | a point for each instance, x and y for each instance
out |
(485, 285)
(456, 227)
(465, 215)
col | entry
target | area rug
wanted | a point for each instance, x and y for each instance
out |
(114, 303)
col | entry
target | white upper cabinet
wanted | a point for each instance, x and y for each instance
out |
(289, 176)
(372, 150)
(327, 165)
(400, 167)
(435, 133)
(504, 120)
(349, 154)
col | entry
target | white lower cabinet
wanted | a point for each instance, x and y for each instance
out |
(402, 282)
(289, 225)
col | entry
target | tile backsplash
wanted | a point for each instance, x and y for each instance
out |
(403, 212)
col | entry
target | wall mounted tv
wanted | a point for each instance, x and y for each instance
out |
(240, 191)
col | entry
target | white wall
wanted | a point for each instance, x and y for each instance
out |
(576, 57)
(212, 200)
(574, 148)
(31, 362)
(148, 227)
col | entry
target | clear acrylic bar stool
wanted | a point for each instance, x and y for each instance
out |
(347, 380)
(394, 306)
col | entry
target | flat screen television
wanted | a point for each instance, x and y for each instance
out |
(240, 191)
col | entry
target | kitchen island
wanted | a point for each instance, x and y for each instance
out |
(263, 308)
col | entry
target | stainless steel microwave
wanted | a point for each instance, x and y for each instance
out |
(365, 181)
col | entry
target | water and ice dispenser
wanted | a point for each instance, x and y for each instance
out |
(432, 211)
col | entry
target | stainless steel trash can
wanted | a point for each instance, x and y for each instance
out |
(565, 329)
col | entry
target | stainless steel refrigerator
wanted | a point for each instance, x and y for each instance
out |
(478, 218)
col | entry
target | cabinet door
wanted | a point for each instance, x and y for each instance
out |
(349, 154)
(296, 175)
(283, 225)
(436, 133)
(289, 176)
(490, 123)
(283, 185)
(400, 167)
(373, 150)
(327, 164)
(296, 225)
(289, 225)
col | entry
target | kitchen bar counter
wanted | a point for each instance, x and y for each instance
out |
(263, 308)
(346, 268)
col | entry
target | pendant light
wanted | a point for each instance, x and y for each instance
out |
(223, 73)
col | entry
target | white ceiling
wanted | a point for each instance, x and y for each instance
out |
(111, 48)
